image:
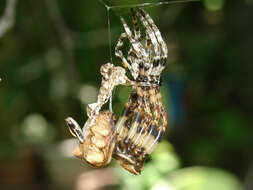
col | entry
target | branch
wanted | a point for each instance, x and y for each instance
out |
(7, 20)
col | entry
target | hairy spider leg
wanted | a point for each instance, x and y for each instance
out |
(159, 66)
(133, 67)
(146, 71)
(137, 32)
(157, 32)
(132, 57)
(152, 36)
(148, 46)
(137, 46)
(134, 60)
(142, 70)
(119, 53)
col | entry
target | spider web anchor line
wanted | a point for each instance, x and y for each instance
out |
(145, 4)
(110, 104)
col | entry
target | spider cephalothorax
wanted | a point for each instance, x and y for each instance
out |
(143, 121)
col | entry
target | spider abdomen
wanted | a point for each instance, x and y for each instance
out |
(140, 128)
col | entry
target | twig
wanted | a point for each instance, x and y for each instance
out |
(7, 20)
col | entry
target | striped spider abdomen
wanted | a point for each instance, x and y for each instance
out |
(140, 128)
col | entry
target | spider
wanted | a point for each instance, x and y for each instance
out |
(143, 121)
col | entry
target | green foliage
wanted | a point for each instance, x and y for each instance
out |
(162, 173)
(214, 5)
(49, 69)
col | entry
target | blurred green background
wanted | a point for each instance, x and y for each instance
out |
(49, 66)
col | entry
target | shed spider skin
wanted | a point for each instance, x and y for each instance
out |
(143, 121)
(99, 144)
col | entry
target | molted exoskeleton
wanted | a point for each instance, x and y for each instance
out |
(97, 147)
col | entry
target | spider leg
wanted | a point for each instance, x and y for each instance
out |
(130, 52)
(151, 34)
(133, 68)
(148, 45)
(159, 63)
(157, 32)
(136, 62)
(137, 46)
(119, 53)
(137, 32)
(154, 42)
(149, 51)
